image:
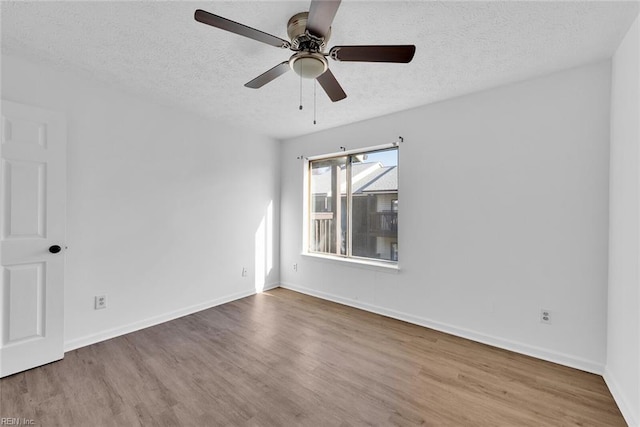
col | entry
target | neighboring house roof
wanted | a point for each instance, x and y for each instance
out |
(372, 177)
(385, 180)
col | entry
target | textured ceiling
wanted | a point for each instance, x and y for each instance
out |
(157, 50)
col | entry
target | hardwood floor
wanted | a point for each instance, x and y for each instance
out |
(283, 358)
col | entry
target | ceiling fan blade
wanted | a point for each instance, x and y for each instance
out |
(330, 85)
(389, 53)
(240, 29)
(268, 76)
(321, 14)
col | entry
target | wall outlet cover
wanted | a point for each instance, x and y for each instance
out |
(545, 316)
(100, 302)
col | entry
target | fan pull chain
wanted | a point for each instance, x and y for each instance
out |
(315, 84)
(301, 86)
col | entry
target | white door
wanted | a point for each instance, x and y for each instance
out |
(32, 227)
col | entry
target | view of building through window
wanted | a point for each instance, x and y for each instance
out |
(353, 202)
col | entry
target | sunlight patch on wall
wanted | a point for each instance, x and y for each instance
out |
(264, 249)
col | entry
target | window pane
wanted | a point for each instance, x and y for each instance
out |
(374, 182)
(328, 206)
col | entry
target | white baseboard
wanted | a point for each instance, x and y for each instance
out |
(151, 321)
(529, 350)
(621, 400)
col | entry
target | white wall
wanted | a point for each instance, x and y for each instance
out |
(164, 208)
(503, 212)
(623, 326)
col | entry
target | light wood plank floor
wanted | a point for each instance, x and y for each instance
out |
(285, 359)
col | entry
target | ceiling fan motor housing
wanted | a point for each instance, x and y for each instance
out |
(300, 38)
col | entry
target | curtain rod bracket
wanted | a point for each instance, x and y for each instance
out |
(398, 142)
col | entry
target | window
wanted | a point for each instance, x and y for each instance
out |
(353, 205)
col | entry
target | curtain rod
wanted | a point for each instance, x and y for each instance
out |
(343, 150)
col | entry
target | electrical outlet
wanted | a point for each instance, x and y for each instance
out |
(101, 302)
(295, 267)
(244, 271)
(545, 316)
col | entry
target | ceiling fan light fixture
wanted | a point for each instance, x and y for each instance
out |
(308, 65)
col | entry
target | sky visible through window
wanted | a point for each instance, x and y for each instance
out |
(387, 157)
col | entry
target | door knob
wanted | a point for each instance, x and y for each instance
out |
(54, 249)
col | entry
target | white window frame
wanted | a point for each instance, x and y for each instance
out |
(354, 260)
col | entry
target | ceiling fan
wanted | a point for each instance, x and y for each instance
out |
(309, 33)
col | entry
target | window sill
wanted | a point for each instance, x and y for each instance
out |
(356, 262)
